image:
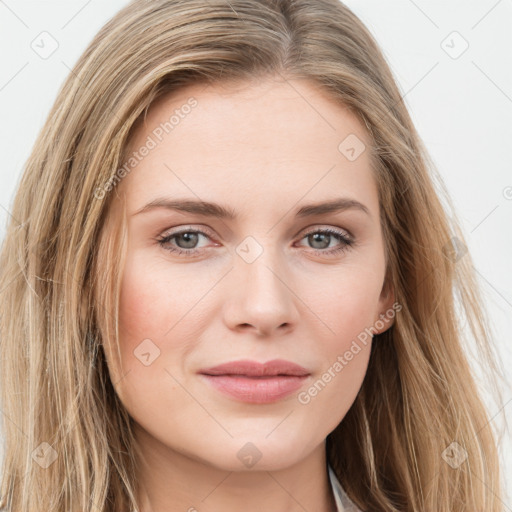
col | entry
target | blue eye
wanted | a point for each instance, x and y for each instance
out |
(183, 243)
(320, 236)
(188, 238)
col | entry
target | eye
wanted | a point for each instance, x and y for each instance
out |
(185, 241)
(321, 239)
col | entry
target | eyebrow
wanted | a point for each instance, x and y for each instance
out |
(209, 209)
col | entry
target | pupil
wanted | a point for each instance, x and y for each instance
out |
(318, 237)
(190, 240)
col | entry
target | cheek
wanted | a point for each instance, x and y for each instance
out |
(347, 304)
(347, 309)
(146, 313)
(345, 355)
(330, 395)
(154, 299)
(139, 309)
(156, 306)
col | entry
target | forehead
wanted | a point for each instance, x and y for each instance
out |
(284, 137)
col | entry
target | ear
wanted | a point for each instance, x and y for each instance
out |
(387, 308)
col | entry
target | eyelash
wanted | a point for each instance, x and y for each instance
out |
(346, 242)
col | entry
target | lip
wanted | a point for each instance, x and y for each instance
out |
(254, 382)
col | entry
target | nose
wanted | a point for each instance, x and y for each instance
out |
(261, 297)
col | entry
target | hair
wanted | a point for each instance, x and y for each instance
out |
(60, 276)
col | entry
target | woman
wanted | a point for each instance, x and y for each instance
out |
(229, 280)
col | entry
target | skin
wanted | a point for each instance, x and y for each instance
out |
(263, 149)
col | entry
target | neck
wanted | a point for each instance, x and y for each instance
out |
(170, 481)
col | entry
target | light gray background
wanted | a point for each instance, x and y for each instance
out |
(460, 101)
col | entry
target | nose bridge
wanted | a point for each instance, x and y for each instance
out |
(264, 276)
(263, 298)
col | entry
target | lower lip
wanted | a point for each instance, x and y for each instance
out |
(256, 390)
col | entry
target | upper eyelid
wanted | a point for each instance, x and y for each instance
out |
(170, 233)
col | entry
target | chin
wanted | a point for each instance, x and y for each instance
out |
(258, 453)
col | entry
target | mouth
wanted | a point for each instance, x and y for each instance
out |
(257, 383)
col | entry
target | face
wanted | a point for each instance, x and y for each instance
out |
(231, 257)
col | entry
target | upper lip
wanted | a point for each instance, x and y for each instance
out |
(256, 369)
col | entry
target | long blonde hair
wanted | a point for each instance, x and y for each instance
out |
(69, 442)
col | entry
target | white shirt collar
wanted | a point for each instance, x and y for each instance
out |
(343, 502)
